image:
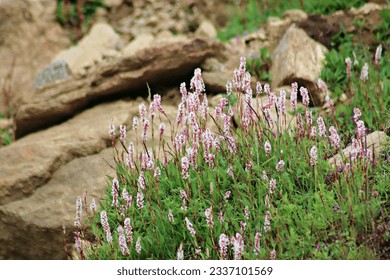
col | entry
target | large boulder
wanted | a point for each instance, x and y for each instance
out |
(160, 64)
(32, 160)
(300, 59)
(31, 228)
(29, 39)
(31, 225)
(90, 51)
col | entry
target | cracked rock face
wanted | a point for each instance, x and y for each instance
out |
(56, 102)
(26, 26)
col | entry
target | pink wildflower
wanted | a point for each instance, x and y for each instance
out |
(228, 194)
(180, 253)
(231, 144)
(293, 96)
(226, 124)
(360, 130)
(142, 111)
(183, 194)
(138, 246)
(313, 155)
(348, 67)
(115, 192)
(266, 201)
(111, 129)
(190, 227)
(79, 210)
(273, 255)
(267, 89)
(334, 138)
(301, 131)
(280, 165)
(267, 221)
(305, 96)
(157, 173)
(183, 91)
(78, 242)
(242, 226)
(258, 88)
(129, 158)
(170, 216)
(209, 216)
(230, 171)
(145, 129)
(356, 114)
(122, 129)
(272, 185)
(246, 212)
(257, 243)
(238, 246)
(364, 73)
(127, 198)
(355, 149)
(309, 118)
(197, 83)
(157, 103)
(228, 88)
(313, 133)
(264, 176)
(321, 127)
(281, 103)
(128, 231)
(185, 165)
(162, 129)
(180, 113)
(140, 199)
(135, 122)
(321, 84)
(152, 110)
(93, 206)
(223, 245)
(122, 241)
(220, 217)
(106, 226)
(378, 54)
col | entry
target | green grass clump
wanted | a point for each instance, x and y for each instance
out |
(236, 183)
(70, 14)
(371, 96)
(248, 15)
(6, 136)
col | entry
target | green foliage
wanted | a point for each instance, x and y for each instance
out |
(259, 65)
(71, 15)
(315, 210)
(382, 30)
(5, 134)
(248, 15)
(372, 96)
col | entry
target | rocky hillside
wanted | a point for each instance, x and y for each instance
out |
(63, 96)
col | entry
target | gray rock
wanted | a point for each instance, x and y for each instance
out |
(61, 100)
(57, 71)
(90, 50)
(30, 37)
(31, 226)
(32, 160)
(298, 58)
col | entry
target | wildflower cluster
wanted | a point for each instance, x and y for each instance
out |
(219, 186)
